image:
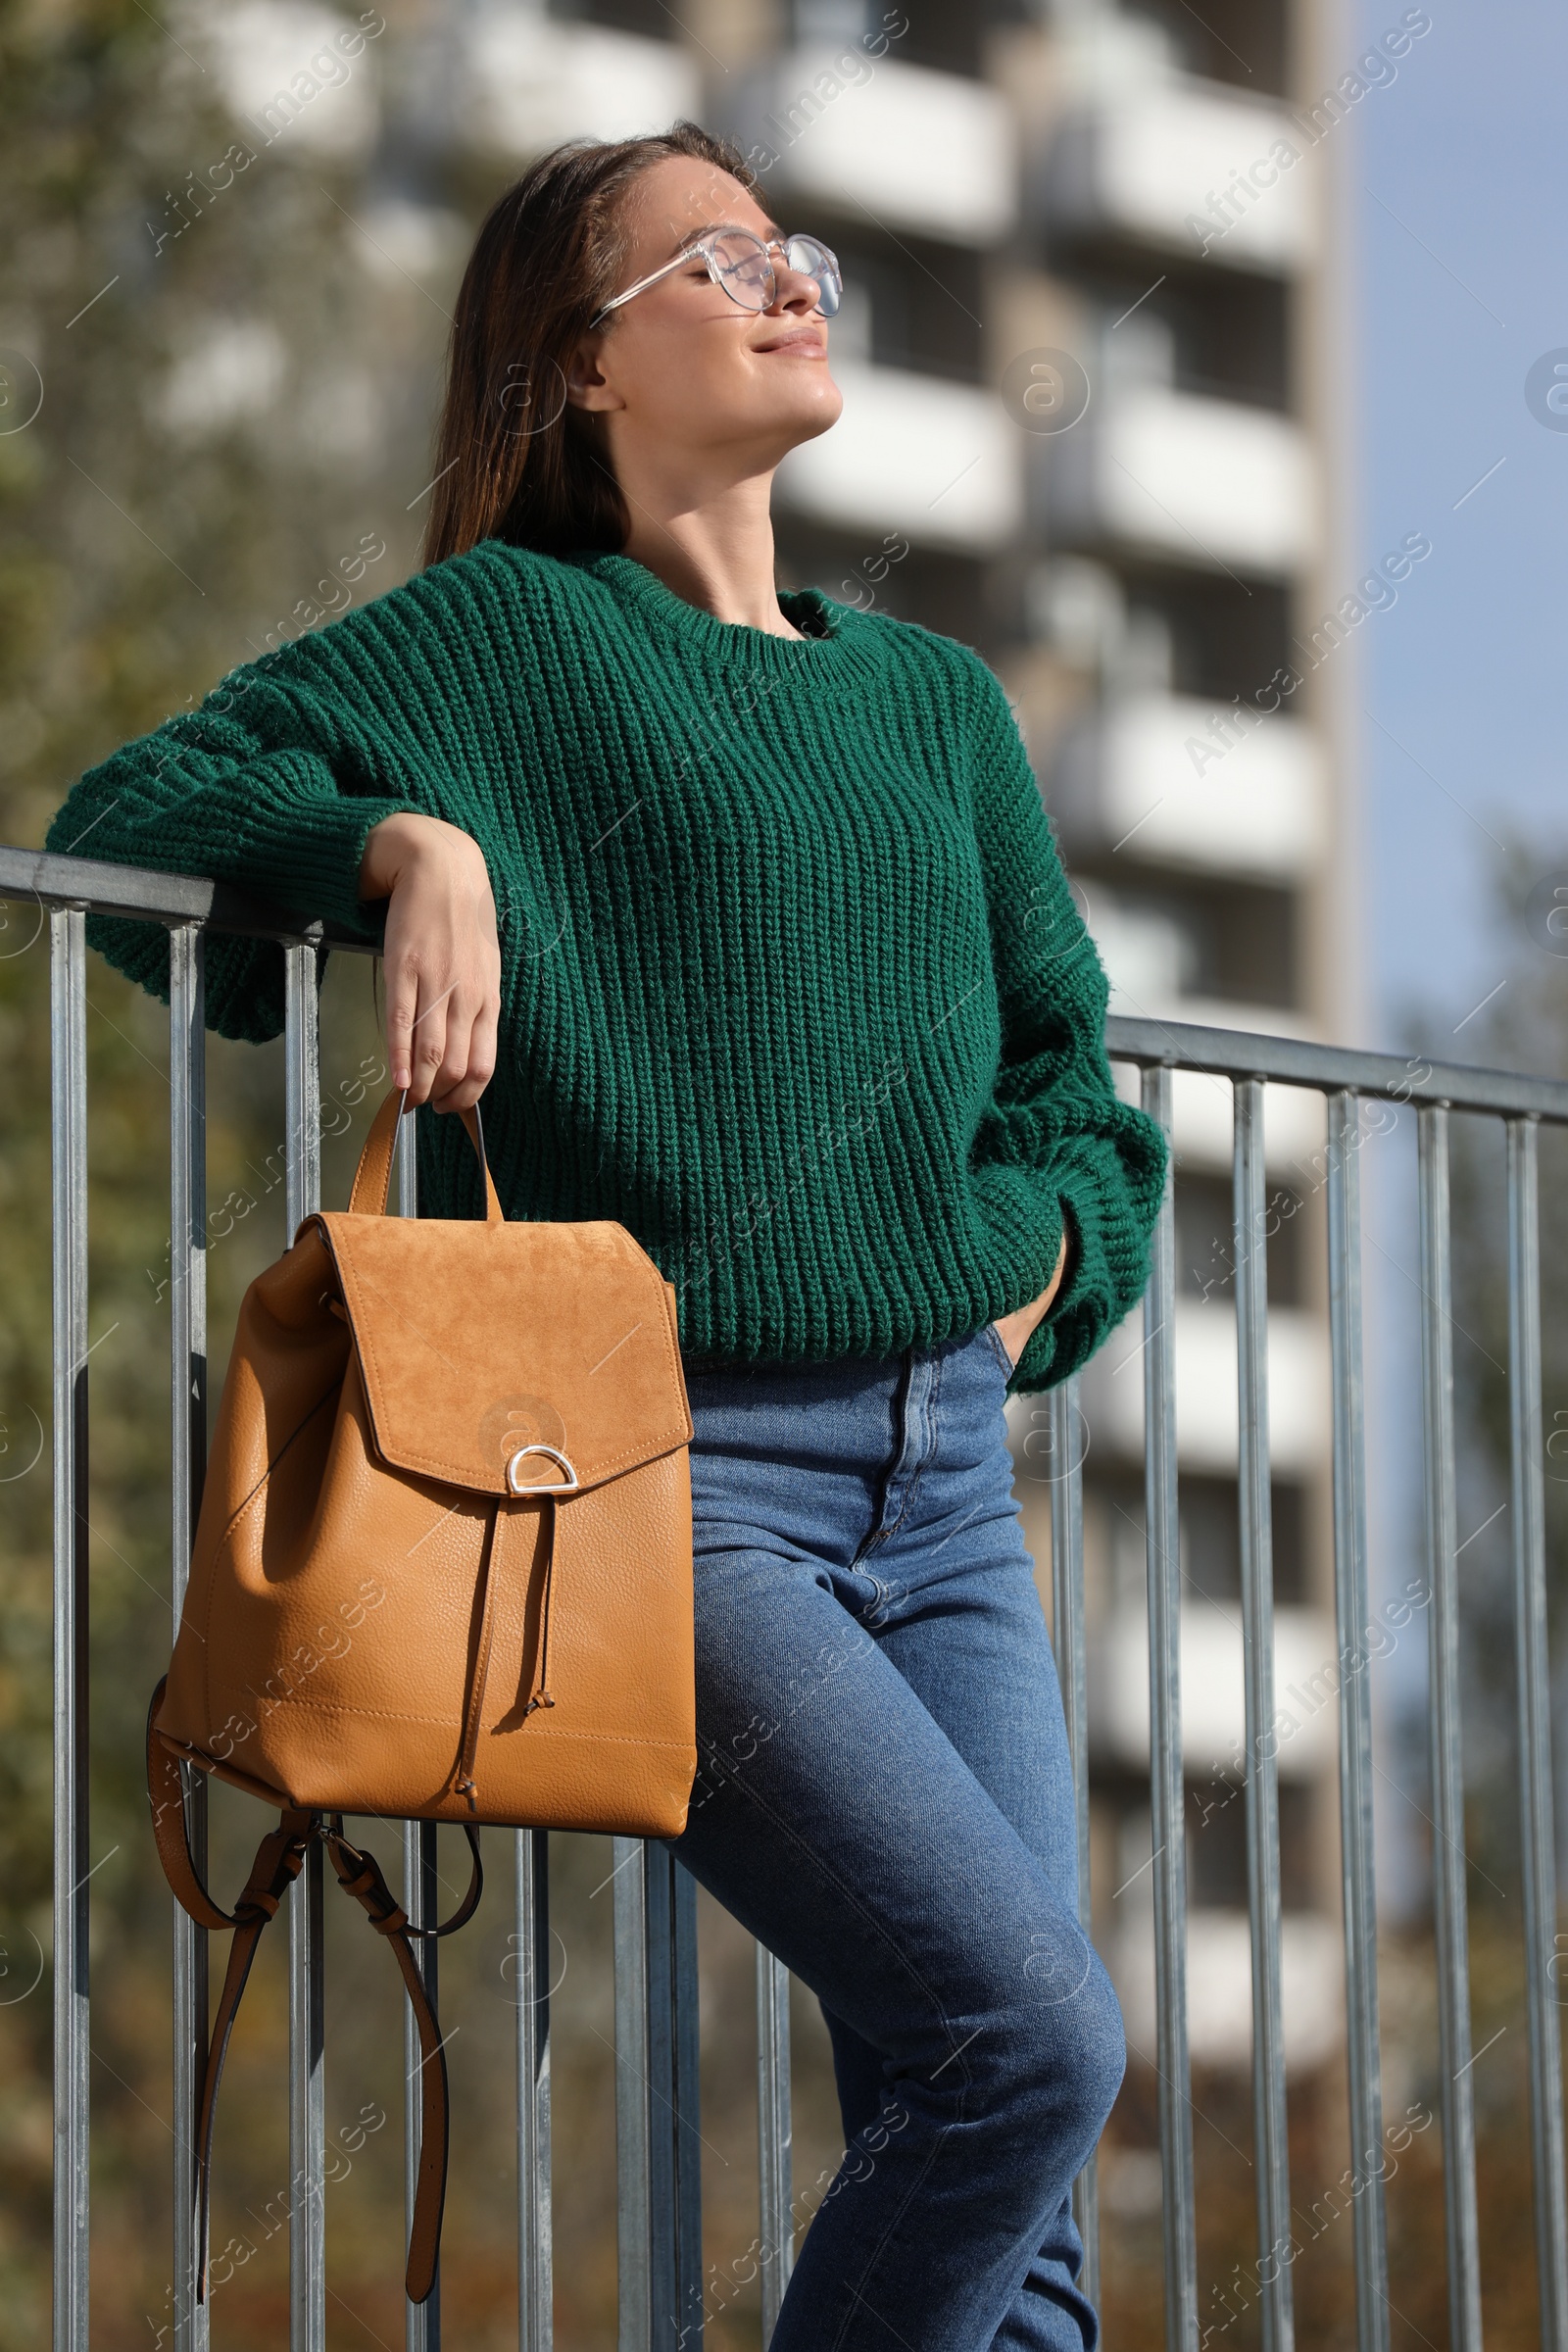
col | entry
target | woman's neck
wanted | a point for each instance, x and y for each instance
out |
(716, 551)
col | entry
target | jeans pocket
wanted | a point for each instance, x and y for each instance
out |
(1001, 1346)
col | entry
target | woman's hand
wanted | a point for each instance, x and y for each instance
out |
(442, 957)
(1013, 1330)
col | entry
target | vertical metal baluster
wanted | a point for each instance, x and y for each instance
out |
(187, 1299)
(68, 1102)
(658, 2144)
(306, 2129)
(686, 2328)
(658, 2096)
(1167, 1788)
(1534, 1669)
(774, 2134)
(535, 2251)
(1356, 1721)
(1270, 2134)
(421, 1899)
(632, 2246)
(1444, 1737)
(1067, 1627)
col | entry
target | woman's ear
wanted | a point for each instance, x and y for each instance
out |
(587, 385)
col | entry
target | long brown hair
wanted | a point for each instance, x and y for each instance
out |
(515, 460)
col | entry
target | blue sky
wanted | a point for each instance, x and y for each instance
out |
(1458, 198)
(1460, 283)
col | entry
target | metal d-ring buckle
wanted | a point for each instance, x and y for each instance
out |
(568, 1485)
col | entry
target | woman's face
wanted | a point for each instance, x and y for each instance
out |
(682, 370)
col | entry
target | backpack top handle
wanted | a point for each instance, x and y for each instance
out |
(372, 1178)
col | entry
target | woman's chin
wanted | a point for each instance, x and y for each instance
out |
(815, 408)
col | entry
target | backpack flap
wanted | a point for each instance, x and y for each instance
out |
(479, 1341)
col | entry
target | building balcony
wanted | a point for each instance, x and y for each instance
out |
(1172, 781)
(1214, 1740)
(1179, 478)
(893, 145)
(1185, 167)
(1147, 951)
(1219, 1988)
(1206, 1421)
(1213, 1704)
(938, 461)
(527, 81)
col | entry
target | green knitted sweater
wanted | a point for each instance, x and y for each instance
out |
(792, 982)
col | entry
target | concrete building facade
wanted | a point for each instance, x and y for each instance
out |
(1093, 357)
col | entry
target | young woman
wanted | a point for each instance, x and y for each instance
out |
(747, 905)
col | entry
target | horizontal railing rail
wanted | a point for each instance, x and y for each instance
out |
(137, 893)
(660, 2270)
(141, 895)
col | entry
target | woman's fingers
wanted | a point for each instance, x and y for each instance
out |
(432, 1026)
(454, 1045)
(470, 1062)
(474, 1017)
(482, 1036)
(451, 1072)
(483, 1054)
(442, 958)
(402, 1010)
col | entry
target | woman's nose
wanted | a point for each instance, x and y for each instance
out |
(793, 289)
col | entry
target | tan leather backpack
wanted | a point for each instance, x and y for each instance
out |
(442, 1570)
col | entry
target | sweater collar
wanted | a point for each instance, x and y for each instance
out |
(848, 650)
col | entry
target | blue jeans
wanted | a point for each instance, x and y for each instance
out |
(883, 1796)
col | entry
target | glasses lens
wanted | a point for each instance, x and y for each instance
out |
(810, 256)
(743, 268)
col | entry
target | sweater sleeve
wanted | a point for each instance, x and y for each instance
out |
(271, 785)
(1054, 1112)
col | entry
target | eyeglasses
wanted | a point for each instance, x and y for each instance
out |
(742, 263)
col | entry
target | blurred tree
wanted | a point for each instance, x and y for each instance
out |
(1524, 1028)
(215, 381)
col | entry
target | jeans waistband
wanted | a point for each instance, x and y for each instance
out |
(824, 1371)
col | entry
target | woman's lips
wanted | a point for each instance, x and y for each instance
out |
(802, 341)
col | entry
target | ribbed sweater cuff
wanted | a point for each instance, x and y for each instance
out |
(314, 868)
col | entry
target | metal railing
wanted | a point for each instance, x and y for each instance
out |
(659, 2195)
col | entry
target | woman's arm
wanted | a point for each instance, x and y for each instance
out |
(1056, 1123)
(291, 782)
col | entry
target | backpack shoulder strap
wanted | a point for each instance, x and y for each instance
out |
(278, 1863)
(166, 1794)
(276, 1866)
(360, 1874)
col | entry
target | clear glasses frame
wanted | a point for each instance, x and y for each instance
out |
(742, 263)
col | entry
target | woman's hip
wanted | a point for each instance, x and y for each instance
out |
(841, 1460)
(863, 1590)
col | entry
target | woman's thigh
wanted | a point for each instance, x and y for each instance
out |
(958, 1612)
(881, 1792)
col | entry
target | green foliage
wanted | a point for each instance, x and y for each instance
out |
(148, 547)
(1526, 1028)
